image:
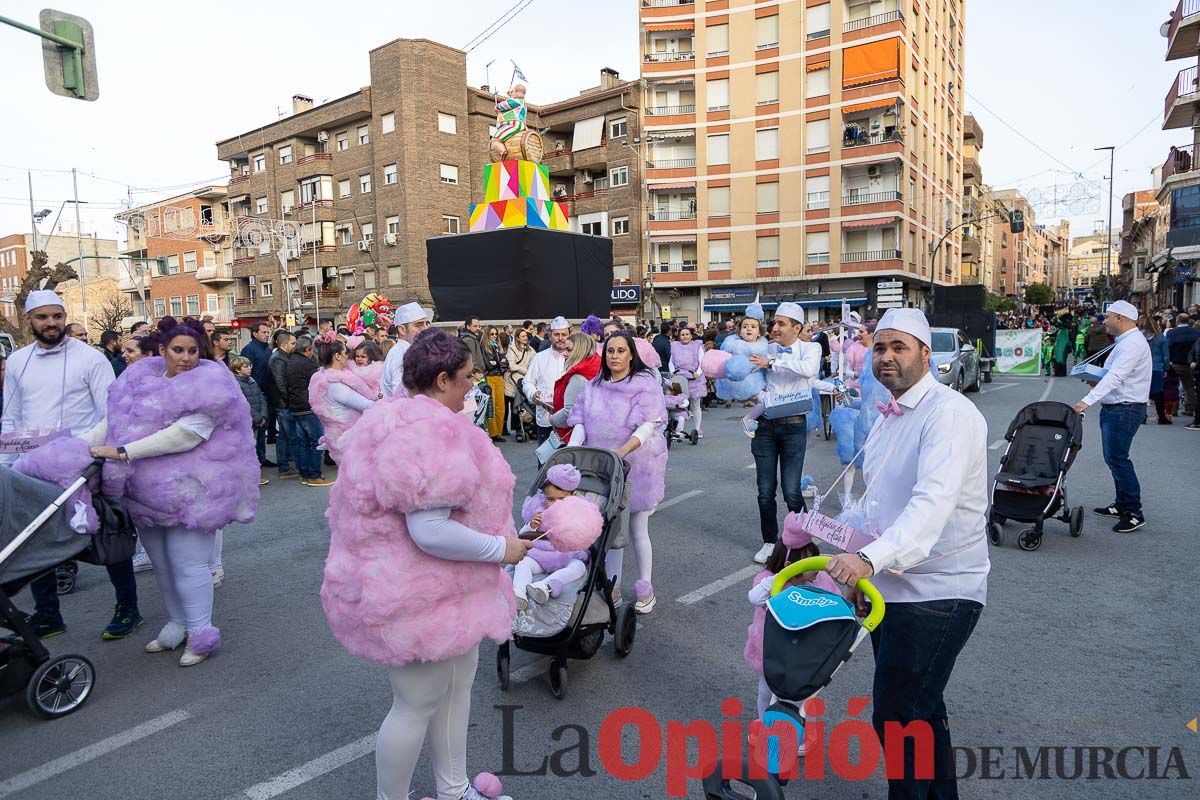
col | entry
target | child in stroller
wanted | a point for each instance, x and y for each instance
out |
(676, 390)
(553, 567)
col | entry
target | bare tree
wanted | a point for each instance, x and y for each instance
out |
(39, 276)
(111, 312)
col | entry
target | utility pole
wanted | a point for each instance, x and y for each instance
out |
(1112, 153)
(32, 215)
(79, 245)
(317, 276)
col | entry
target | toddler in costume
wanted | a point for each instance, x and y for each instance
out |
(553, 567)
(741, 380)
(794, 545)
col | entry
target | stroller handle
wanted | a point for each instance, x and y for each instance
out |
(816, 564)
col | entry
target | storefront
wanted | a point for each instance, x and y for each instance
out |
(729, 302)
(626, 301)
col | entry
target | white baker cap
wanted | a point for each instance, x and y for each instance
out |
(560, 323)
(42, 297)
(410, 312)
(907, 320)
(791, 311)
(1124, 308)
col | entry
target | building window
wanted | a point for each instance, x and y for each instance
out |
(369, 279)
(160, 307)
(347, 235)
(718, 201)
(767, 86)
(368, 231)
(172, 265)
(260, 163)
(447, 123)
(816, 136)
(718, 94)
(260, 205)
(389, 173)
(718, 149)
(620, 272)
(395, 276)
(818, 83)
(768, 198)
(766, 144)
(620, 226)
(287, 200)
(592, 228)
(285, 154)
(449, 174)
(210, 303)
(210, 258)
(266, 289)
(393, 225)
(193, 304)
(177, 306)
(348, 283)
(189, 261)
(310, 190)
(364, 134)
(718, 40)
(387, 123)
(768, 252)
(767, 32)
(818, 21)
(343, 140)
(618, 176)
(718, 254)
(449, 224)
(344, 188)
(364, 183)
(618, 128)
(817, 247)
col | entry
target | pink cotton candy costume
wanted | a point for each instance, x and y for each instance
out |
(372, 374)
(387, 600)
(336, 419)
(686, 359)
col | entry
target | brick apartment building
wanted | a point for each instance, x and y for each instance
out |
(804, 150)
(99, 260)
(361, 181)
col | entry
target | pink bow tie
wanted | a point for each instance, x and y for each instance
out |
(890, 408)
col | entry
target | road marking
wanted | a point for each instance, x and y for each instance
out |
(103, 747)
(750, 466)
(674, 500)
(529, 671)
(310, 771)
(720, 585)
(1046, 393)
(998, 387)
(996, 445)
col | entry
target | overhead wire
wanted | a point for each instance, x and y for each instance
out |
(505, 18)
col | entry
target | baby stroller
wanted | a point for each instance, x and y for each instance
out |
(526, 415)
(677, 411)
(1043, 440)
(53, 687)
(809, 634)
(573, 624)
(481, 395)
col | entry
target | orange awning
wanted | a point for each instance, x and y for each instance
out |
(875, 61)
(869, 106)
(817, 66)
(869, 223)
(670, 26)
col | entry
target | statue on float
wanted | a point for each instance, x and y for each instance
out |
(513, 140)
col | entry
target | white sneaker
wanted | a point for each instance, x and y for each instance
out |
(190, 659)
(763, 553)
(473, 794)
(218, 577)
(749, 426)
(141, 562)
(645, 606)
(522, 603)
(538, 592)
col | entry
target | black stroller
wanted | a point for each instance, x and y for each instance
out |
(53, 687)
(573, 625)
(1043, 440)
(526, 415)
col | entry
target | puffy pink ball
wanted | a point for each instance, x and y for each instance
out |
(648, 354)
(712, 364)
(574, 523)
(488, 785)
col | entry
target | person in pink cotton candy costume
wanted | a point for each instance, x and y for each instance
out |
(413, 580)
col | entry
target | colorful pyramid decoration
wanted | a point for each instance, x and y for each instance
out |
(517, 195)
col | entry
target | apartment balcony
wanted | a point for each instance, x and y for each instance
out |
(972, 132)
(971, 248)
(559, 162)
(871, 257)
(323, 209)
(668, 62)
(859, 198)
(238, 180)
(655, 9)
(1180, 106)
(673, 163)
(872, 25)
(216, 274)
(1183, 37)
(328, 297)
(971, 169)
(137, 283)
(674, 266)
(670, 111)
(864, 143)
(315, 164)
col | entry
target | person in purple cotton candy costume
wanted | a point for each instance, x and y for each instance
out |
(181, 454)
(551, 565)
(685, 361)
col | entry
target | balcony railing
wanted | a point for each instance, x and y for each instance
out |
(1184, 87)
(310, 159)
(664, 111)
(870, 197)
(571, 198)
(666, 3)
(818, 258)
(318, 203)
(673, 163)
(218, 272)
(665, 58)
(675, 266)
(562, 151)
(878, 19)
(1186, 8)
(871, 255)
(236, 179)
(817, 200)
(665, 215)
(1179, 161)
(857, 137)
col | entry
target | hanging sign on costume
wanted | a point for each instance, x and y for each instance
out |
(20, 443)
(841, 535)
(1019, 352)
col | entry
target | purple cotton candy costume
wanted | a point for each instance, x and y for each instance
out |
(205, 488)
(335, 424)
(610, 411)
(686, 358)
(386, 599)
(60, 462)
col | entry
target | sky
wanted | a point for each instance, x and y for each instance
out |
(1047, 82)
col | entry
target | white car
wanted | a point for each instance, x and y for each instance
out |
(956, 360)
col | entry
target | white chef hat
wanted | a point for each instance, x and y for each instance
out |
(907, 320)
(410, 312)
(42, 297)
(1124, 308)
(560, 323)
(791, 311)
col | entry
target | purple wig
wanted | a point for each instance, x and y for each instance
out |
(169, 327)
(591, 326)
(433, 352)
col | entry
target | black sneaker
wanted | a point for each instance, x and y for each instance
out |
(1108, 511)
(1129, 523)
(1192, 427)
(268, 463)
(46, 627)
(124, 622)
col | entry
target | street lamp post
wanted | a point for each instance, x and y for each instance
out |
(1112, 153)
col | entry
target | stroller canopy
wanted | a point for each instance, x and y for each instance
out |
(1045, 437)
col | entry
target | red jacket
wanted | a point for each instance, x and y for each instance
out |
(589, 368)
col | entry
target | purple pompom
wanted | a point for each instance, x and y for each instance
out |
(488, 785)
(204, 640)
(643, 590)
(574, 523)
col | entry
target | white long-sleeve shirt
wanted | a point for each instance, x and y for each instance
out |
(791, 374)
(435, 533)
(342, 400)
(642, 433)
(931, 501)
(64, 387)
(545, 369)
(1129, 366)
(392, 379)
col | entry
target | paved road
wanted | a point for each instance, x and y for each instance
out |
(1085, 642)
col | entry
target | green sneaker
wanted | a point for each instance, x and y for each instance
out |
(46, 627)
(124, 622)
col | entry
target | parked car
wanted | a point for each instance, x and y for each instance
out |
(7, 345)
(956, 360)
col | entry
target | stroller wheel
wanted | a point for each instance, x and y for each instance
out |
(60, 686)
(502, 660)
(1029, 540)
(557, 673)
(64, 581)
(1077, 521)
(70, 566)
(694, 438)
(718, 788)
(999, 519)
(626, 630)
(996, 534)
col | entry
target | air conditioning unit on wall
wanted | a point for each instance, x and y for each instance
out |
(390, 238)
(323, 136)
(364, 245)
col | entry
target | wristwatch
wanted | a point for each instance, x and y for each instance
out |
(867, 561)
(122, 454)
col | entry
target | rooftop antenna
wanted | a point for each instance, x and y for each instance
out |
(487, 75)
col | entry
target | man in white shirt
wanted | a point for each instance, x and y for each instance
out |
(929, 451)
(411, 319)
(779, 443)
(1122, 393)
(58, 383)
(546, 368)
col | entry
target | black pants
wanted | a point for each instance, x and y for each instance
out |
(45, 590)
(543, 433)
(1160, 405)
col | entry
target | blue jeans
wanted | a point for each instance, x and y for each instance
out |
(45, 590)
(1118, 424)
(778, 450)
(915, 647)
(283, 453)
(306, 435)
(260, 442)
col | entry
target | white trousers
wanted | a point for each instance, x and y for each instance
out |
(434, 699)
(218, 544)
(527, 569)
(181, 569)
(643, 553)
(696, 409)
